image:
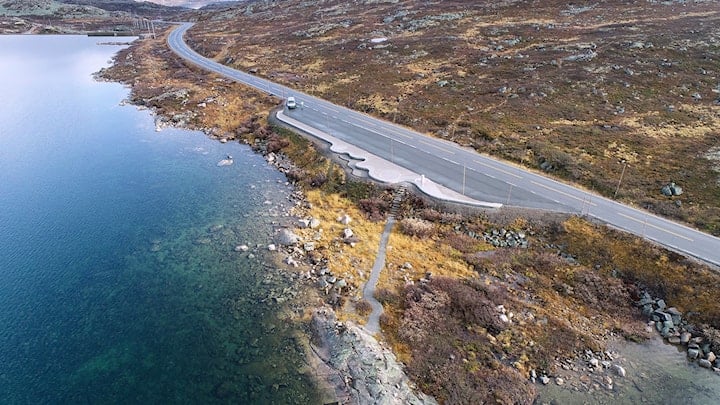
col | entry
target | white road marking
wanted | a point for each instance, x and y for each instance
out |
(583, 200)
(438, 147)
(645, 223)
(497, 168)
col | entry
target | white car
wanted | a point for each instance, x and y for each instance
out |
(290, 103)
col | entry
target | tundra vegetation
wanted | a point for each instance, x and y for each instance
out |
(577, 91)
(471, 320)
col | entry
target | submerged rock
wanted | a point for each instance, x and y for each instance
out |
(287, 237)
(619, 370)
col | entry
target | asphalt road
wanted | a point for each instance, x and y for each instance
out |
(465, 171)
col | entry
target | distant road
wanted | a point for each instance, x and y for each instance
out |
(463, 170)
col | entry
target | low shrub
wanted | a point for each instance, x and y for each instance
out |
(363, 307)
(446, 324)
(417, 227)
(462, 242)
(374, 207)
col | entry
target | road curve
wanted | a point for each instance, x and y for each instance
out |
(465, 171)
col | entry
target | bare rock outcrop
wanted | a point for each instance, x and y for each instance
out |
(360, 370)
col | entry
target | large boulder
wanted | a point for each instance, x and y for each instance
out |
(286, 237)
(671, 189)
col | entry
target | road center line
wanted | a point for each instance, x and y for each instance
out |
(584, 201)
(437, 147)
(376, 125)
(396, 132)
(645, 223)
(497, 168)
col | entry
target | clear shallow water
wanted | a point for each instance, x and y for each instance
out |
(118, 280)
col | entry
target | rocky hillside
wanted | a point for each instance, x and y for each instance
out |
(583, 92)
(79, 16)
(143, 8)
(48, 8)
(80, 8)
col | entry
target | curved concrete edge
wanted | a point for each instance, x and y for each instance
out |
(383, 171)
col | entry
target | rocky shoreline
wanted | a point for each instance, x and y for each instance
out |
(347, 361)
(353, 367)
(359, 369)
(675, 329)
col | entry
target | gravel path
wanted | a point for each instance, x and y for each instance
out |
(373, 323)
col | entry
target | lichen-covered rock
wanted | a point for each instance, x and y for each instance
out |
(371, 373)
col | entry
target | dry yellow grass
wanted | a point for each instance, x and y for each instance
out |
(425, 255)
(706, 122)
(352, 263)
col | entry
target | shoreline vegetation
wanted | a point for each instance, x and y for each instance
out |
(470, 320)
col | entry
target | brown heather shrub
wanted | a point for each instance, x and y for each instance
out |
(681, 282)
(432, 215)
(462, 242)
(363, 307)
(599, 292)
(318, 180)
(444, 325)
(296, 175)
(276, 142)
(374, 207)
(417, 227)
(387, 297)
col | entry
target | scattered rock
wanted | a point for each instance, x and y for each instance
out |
(704, 363)
(506, 238)
(271, 247)
(344, 219)
(291, 262)
(241, 248)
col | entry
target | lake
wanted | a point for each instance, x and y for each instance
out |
(119, 282)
